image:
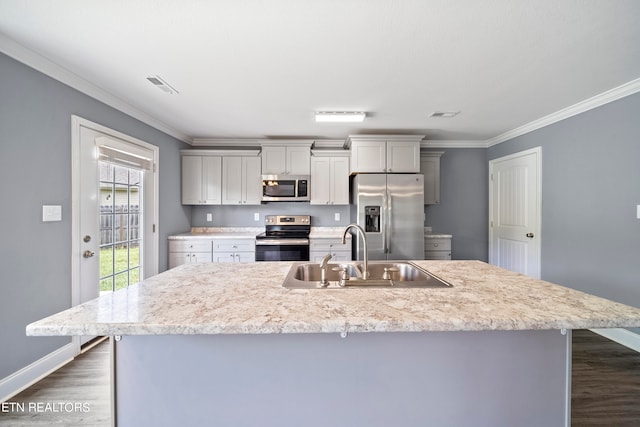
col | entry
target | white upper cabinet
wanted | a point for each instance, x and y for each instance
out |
(403, 156)
(241, 180)
(201, 180)
(214, 177)
(286, 159)
(330, 179)
(385, 153)
(430, 168)
(368, 156)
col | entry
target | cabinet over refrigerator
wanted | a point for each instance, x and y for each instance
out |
(390, 209)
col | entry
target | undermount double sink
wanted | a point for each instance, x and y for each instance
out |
(382, 274)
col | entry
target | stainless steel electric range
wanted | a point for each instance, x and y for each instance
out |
(286, 238)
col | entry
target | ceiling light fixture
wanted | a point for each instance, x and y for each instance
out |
(158, 82)
(444, 114)
(340, 116)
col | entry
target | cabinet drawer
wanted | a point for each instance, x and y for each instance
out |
(329, 245)
(437, 244)
(316, 256)
(190, 245)
(240, 245)
(437, 255)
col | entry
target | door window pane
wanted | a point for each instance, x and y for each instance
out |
(120, 226)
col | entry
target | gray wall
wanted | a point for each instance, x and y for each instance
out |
(242, 216)
(590, 189)
(35, 169)
(463, 210)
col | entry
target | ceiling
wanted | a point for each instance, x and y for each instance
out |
(260, 69)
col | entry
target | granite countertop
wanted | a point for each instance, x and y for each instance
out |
(249, 232)
(248, 298)
(219, 233)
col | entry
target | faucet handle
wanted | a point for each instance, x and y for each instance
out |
(387, 270)
(344, 275)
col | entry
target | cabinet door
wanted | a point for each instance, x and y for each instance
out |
(339, 180)
(321, 181)
(212, 180)
(403, 156)
(298, 160)
(252, 185)
(245, 257)
(199, 257)
(274, 160)
(430, 168)
(368, 156)
(192, 180)
(224, 257)
(178, 258)
(231, 180)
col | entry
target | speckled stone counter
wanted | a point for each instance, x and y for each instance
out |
(249, 299)
(219, 233)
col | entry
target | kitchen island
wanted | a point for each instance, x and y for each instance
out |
(226, 344)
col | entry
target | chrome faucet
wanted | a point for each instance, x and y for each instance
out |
(365, 272)
(323, 270)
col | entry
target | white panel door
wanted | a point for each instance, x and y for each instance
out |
(514, 211)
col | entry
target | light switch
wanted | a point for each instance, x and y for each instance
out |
(209, 217)
(51, 213)
(336, 216)
(638, 211)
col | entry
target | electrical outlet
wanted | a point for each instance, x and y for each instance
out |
(209, 217)
(256, 216)
(336, 216)
(638, 211)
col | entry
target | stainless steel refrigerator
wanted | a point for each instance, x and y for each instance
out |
(390, 208)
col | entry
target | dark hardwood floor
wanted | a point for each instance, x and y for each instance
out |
(605, 382)
(605, 388)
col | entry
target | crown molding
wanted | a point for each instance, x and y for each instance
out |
(225, 142)
(603, 98)
(452, 144)
(38, 62)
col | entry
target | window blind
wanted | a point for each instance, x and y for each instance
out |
(124, 154)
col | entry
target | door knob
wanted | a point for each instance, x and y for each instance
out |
(88, 254)
(529, 235)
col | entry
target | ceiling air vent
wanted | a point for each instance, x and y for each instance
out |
(161, 84)
(444, 114)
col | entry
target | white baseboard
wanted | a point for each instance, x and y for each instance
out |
(29, 375)
(621, 336)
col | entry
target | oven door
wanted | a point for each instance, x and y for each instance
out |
(282, 250)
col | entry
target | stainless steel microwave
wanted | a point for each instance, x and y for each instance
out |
(285, 188)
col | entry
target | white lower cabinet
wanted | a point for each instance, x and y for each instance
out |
(189, 251)
(321, 246)
(437, 247)
(234, 250)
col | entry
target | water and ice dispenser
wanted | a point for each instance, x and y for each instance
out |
(372, 219)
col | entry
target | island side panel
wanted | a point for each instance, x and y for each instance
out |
(373, 379)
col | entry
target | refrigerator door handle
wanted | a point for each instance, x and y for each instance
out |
(387, 223)
(384, 222)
